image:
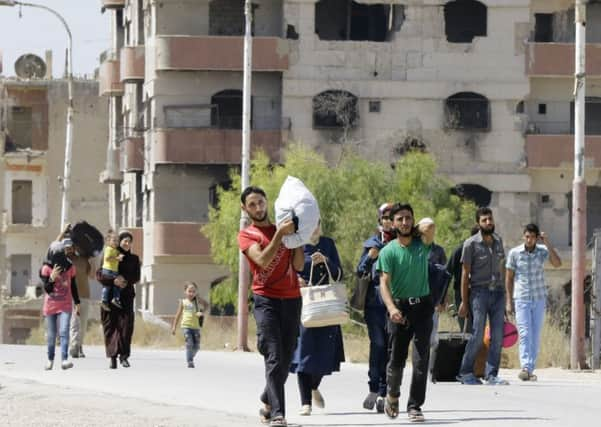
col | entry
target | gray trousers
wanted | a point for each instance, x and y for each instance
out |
(79, 325)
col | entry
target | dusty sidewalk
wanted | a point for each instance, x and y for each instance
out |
(30, 403)
(158, 390)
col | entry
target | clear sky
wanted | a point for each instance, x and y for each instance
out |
(38, 30)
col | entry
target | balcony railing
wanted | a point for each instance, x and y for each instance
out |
(211, 146)
(109, 80)
(132, 64)
(112, 4)
(132, 154)
(180, 239)
(198, 53)
(557, 59)
(557, 151)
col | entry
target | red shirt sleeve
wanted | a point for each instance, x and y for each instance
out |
(247, 238)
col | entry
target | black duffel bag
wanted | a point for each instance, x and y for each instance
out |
(88, 240)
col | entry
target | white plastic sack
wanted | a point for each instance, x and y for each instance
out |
(295, 200)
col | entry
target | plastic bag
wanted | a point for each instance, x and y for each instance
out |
(296, 202)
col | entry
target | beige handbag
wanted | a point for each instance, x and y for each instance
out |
(324, 305)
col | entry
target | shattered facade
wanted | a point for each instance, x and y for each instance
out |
(482, 85)
(32, 147)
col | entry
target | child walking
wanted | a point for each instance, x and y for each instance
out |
(191, 320)
(110, 271)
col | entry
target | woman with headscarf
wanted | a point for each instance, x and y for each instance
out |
(319, 351)
(58, 277)
(375, 313)
(118, 324)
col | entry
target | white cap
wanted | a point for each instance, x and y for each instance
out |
(425, 221)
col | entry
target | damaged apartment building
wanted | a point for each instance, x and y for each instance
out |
(485, 86)
(33, 108)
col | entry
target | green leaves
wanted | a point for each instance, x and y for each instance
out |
(348, 198)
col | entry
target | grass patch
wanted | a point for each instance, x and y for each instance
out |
(554, 344)
(220, 333)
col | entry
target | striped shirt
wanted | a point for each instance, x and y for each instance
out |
(528, 268)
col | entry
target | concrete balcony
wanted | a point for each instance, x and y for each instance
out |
(111, 174)
(211, 146)
(109, 81)
(180, 238)
(132, 64)
(112, 4)
(557, 59)
(557, 151)
(199, 53)
(132, 154)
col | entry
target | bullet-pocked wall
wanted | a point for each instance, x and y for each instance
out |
(31, 235)
(447, 75)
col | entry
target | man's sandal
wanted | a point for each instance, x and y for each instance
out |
(391, 408)
(265, 415)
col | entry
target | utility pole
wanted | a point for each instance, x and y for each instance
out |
(596, 303)
(243, 268)
(577, 355)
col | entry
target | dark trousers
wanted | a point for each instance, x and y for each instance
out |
(376, 318)
(278, 323)
(306, 384)
(418, 329)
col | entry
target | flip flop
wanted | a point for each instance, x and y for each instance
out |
(391, 408)
(265, 415)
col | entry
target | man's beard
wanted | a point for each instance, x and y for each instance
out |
(487, 232)
(257, 219)
(397, 232)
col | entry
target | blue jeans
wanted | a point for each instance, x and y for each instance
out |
(106, 290)
(529, 316)
(192, 337)
(375, 318)
(63, 320)
(491, 303)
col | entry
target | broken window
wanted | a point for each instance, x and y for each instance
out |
(349, 20)
(592, 112)
(227, 109)
(19, 127)
(480, 195)
(543, 27)
(20, 274)
(226, 18)
(22, 202)
(464, 20)
(335, 109)
(467, 110)
(214, 192)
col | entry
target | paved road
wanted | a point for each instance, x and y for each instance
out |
(223, 391)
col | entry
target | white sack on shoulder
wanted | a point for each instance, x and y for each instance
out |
(296, 200)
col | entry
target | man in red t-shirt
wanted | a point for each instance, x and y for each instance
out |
(276, 295)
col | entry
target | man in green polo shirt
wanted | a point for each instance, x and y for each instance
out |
(403, 267)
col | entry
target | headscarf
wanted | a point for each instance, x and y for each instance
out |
(125, 234)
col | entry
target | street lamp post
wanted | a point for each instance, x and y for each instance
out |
(244, 270)
(66, 181)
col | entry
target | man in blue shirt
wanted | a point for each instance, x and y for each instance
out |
(525, 283)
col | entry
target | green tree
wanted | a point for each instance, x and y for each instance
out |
(348, 197)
